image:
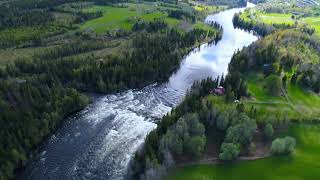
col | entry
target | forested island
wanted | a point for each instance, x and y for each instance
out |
(54, 53)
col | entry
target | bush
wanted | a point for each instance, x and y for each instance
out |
(268, 130)
(242, 130)
(229, 151)
(273, 85)
(283, 145)
(196, 145)
(222, 121)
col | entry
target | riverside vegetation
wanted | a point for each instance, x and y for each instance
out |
(277, 83)
(52, 53)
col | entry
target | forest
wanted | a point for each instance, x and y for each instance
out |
(296, 65)
(184, 134)
(39, 89)
(272, 87)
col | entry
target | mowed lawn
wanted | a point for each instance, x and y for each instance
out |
(303, 164)
(115, 18)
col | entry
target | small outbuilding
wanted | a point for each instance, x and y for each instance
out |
(219, 91)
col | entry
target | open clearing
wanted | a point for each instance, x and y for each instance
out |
(277, 18)
(298, 104)
(115, 18)
(291, 167)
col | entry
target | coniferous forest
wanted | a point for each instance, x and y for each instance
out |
(39, 90)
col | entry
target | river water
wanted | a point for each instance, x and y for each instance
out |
(98, 142)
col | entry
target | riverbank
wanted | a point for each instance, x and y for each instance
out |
(279, 167)
(40, 89)
(106, 134)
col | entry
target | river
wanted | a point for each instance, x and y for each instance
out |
(98, 142)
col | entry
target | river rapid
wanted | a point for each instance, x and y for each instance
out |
(98, 142)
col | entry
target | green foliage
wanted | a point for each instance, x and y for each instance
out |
(196, 145)
(242, 129)
(229, 151)
(229, 3)
(222, 121)
(284, 145)
(302, 164)
(186, 136)
(181, 133)
(273, 85)
(268, 130)
(31, 110)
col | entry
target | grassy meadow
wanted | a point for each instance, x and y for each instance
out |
(123, 18)
(278, 18)
(298, 103)
(302, 164)
(274, 18)
(118, 18)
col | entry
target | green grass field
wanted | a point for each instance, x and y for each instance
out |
(313, 22)
(115, 18)
(274, 18)
(267, 18)
(303, 164)
(277, 18)
(299, 105)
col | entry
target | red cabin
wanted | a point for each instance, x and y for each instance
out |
(219, 91)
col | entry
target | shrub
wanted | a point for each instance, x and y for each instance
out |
(229, 151)
(268, 130)
(196, 145)
(283, 145)
(273, 85)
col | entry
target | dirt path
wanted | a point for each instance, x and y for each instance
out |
(215, 160)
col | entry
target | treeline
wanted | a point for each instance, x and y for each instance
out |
(16, 18)
(182, 134)
(229, 3)
(73, 48)
(265, 29)
(151, 26)
(181, 14)
(31, 109)
(36, 93)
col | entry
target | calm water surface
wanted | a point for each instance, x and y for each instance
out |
(98, 142)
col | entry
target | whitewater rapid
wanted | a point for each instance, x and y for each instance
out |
(98, 142)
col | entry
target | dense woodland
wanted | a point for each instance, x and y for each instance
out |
(295, 61)
(286, 56)
(38, 91)
(183, 133)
